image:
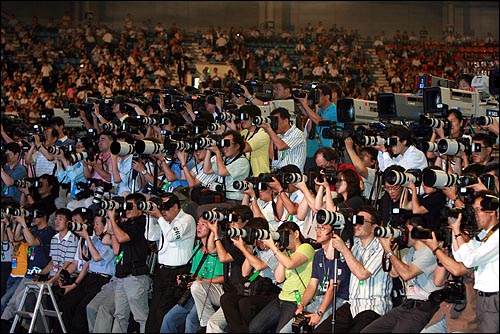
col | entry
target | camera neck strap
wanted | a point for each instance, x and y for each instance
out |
(201, 261)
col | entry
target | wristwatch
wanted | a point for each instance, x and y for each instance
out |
(144, 172)
(320, 313)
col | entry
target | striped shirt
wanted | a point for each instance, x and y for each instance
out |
(296, 152)
(62, 250)
(373, 293)
(205, 179)
(42, 165)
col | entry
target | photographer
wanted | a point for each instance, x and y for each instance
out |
(327, 110)
(347, 187)
(46, 193)
(391, 198)
(208, 269)
(417, 270)
(132, 278)
(263, 205)
(256, 141)
(288, 141)
(481, 253)
(316, 302)
(366, 165)
(98, 269)
(176, 230)
(294, 271)
(12, 171)
(240, 309)
(230, 165)
(404, 153)
(38, 238)
(122, 176)
(484, 156)
(452, 316)
(427, 204)
(454, 123)
(72, 173)
(62, 139)
(38, 155)
(195, 176)
(369, 285)
(231, 257)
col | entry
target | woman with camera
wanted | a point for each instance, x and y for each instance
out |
(294, 271)
(427, 204)
(347, 188)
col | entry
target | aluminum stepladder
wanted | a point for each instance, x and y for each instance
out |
(43, 288)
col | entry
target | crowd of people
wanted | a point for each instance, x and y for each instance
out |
(171, 211)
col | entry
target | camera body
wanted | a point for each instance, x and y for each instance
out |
(454, 292)
(300, 323)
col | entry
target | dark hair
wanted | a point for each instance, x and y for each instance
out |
(65, 212)
(41, 207)
(485, 138)
(374, 213)
(57, 121)
(85, 213)
(292, 227)
(136, 197)
(282, 112)
(329, 153)
(325, 90)
(396, 168)
(285, 82)
(352, 181)
(474, 169)
(52, 180)
(53, 132)
(402, 133)
(243, 211)
(466, 77)
(127, 136)
(336, 89)
(13, 147)
(486, 193)
(457, 113)
(258, 223)
(371, 151)
(250, 109)
(492, 166)
(109, 134)
(237, 138)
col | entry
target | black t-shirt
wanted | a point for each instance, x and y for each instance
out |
(232, 270)
(433, 202)
(135, 251)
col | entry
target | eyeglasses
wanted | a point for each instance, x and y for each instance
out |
(392, 189)
(321, 228)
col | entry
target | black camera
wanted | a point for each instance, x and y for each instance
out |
(454, 292)
(185, 279)
(65, 278)
(300, 324)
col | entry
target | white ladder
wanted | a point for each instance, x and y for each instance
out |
(43, 288)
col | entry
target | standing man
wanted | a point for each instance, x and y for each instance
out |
(132, 272)
(417, 270)
(176, 230)
(12, 171)
(327, 111)
(288, 145)
(481, 253)
(369, 285)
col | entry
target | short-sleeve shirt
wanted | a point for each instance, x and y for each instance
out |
(134, 252)
(238, 169)
(330, 114)
(323, 271)
(62, 250)
(20, 254)
(107, 264)
(298, 278)
(259, 157)
(38, 256)
(421, 286)
(296, 152)
(17, 173)
(211, 267)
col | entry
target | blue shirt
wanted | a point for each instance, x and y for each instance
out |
(107, 264)
(73, 174)
(329, 114)
(38, 256)
(323, 270)
(19, 172)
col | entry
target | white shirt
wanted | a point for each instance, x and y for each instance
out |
(412, 158)
(176, 238)
(483, 256)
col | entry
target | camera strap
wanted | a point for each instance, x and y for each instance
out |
(488, 235)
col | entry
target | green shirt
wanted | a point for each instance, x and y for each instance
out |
(292, 281)
(210, 268)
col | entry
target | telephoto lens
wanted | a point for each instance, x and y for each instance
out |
(146, 206)
(242, 185)
(212, 216)
(387, 232)
(76, 227)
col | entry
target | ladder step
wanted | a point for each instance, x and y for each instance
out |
(24, 314)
